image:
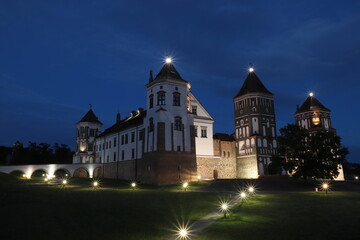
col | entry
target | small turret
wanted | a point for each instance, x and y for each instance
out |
(118, 117)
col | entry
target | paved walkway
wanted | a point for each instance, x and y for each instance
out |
(198, 226)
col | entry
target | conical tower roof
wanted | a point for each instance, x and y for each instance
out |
(311, 103)
(168, 71)
(90, 117)
(252, 84)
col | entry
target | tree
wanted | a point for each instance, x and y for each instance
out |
(302, 154)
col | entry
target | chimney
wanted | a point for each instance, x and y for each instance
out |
(141, 110)
(118, 117)
(133, 113)
(151, 76)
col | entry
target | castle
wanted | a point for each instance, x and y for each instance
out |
(172, 140)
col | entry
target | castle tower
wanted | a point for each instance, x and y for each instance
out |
(169, 146)
(313, 116)
(86, 131)
(255, 127)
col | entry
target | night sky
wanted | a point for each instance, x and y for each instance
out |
(57, 57)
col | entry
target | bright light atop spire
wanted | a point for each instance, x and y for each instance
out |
(168, 60)
(311, 94)
(251, 69)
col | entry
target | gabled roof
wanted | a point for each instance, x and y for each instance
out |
(90, 117)
(311, 103)
(224, 137)
(126, 123)
(252, 84)
(168, 71)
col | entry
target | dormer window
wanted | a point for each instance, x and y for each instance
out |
(194, 110)
(176, 99)
(161, 98)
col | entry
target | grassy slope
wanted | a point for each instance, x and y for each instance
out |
(291, 216)
(32, 210)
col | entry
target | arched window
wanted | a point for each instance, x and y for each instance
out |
(161, 98)
(151, 124)
(254, 109)
(178, 123)
(151, 101)
(176, 99)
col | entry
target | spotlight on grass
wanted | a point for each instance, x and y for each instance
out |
(224, 207)
(243, 195)
(251, 190)
(325, 186)
(356, 178)
(46, 179)
(185, 185)
(95, 184)
(24, 175)
(64, 182)
(182, 231)
(199, 177)
(133, 185)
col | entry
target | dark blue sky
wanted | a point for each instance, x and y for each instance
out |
(56, 57)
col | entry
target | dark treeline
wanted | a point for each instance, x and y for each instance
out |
(42, 153)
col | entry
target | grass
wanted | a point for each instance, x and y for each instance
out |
(31, 209)
(291, 216)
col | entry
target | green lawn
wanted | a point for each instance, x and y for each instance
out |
(291, 216)
(33, 210)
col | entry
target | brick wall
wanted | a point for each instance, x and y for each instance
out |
(124, 170)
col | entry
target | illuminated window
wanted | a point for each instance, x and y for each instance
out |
(161, 98)
(316, 120)
(177, 124)
(176, 99)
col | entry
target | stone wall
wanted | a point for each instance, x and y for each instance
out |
(124, 170)
(167, 167)
(247, 167)
(222, 165)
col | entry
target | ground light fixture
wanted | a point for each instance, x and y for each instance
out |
(251, 189)
(224, 207)
(356, 178)
(46, 179)
(199, 177)
(325, 187)
(243, 195)
(95, 184)
(64, 182)
(133, 185)
(185, 185)
(183, 233)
